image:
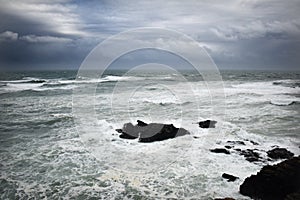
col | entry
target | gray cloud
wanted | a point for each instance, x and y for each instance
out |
(8, 35)
(236, 33)
(47, 39)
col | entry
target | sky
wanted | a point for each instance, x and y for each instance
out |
(237, 34)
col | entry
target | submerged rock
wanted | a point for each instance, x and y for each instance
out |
(276, 182)
(280, 153)
(150, 132)
(207, 124)
(229, 177)
(220, 150)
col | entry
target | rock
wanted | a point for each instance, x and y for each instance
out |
(228, 147)
(36, 81)
(207, 124)
(226, 198)
(236, 142)
(229, 177)
(254, 143)
(141, 123)
(250, 155)
(293, 196)
(150, 132)
(280, 153)
(220, 150)
(276, 182)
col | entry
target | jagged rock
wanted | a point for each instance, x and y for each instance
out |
(207, 124)
(36, 81)
(280, 153)
(254, 143)
(141, 123)
(229, 177)
(250, 155)
(276, 182)
(150, 132)
(220, 150)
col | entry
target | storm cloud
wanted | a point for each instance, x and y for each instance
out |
(39, 34)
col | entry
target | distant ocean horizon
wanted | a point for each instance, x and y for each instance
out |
(44, 155)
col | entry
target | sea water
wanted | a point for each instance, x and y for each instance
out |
(47, 153)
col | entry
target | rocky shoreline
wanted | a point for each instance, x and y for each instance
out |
(272, 182)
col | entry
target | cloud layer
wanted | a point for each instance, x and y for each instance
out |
(237, 33)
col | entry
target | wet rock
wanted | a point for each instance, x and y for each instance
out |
(36, 81)
(141, 123)
(254, 143)
(220, 150)
(207, 124)
(230, 178)
(274, 182)
(150, 132)
(280, 153)
(250, 155)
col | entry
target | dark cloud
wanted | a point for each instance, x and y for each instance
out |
(237, 34)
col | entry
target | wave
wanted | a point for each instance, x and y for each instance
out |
(166, 102)
(24, 80)
(283, 102)
(288, 83)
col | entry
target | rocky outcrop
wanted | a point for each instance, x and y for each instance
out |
(277, 182)
(207, 124)
(150, 132)
(250, 155)
(280, 153)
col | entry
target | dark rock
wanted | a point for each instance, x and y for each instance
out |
(276, 182)
(196, 137)
(220, 150)
(293, 196)
(36, 81)
(229, 177)
(236, 142)
(127, 136)
(207, 124)
(280, 153)
(254, 143)
(150, 132)
(141, 123)
(119, 130)
(250, 155)
(228, 147)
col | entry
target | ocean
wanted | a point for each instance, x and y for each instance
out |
(48, 151)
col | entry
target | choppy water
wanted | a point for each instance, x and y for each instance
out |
(44, 155)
